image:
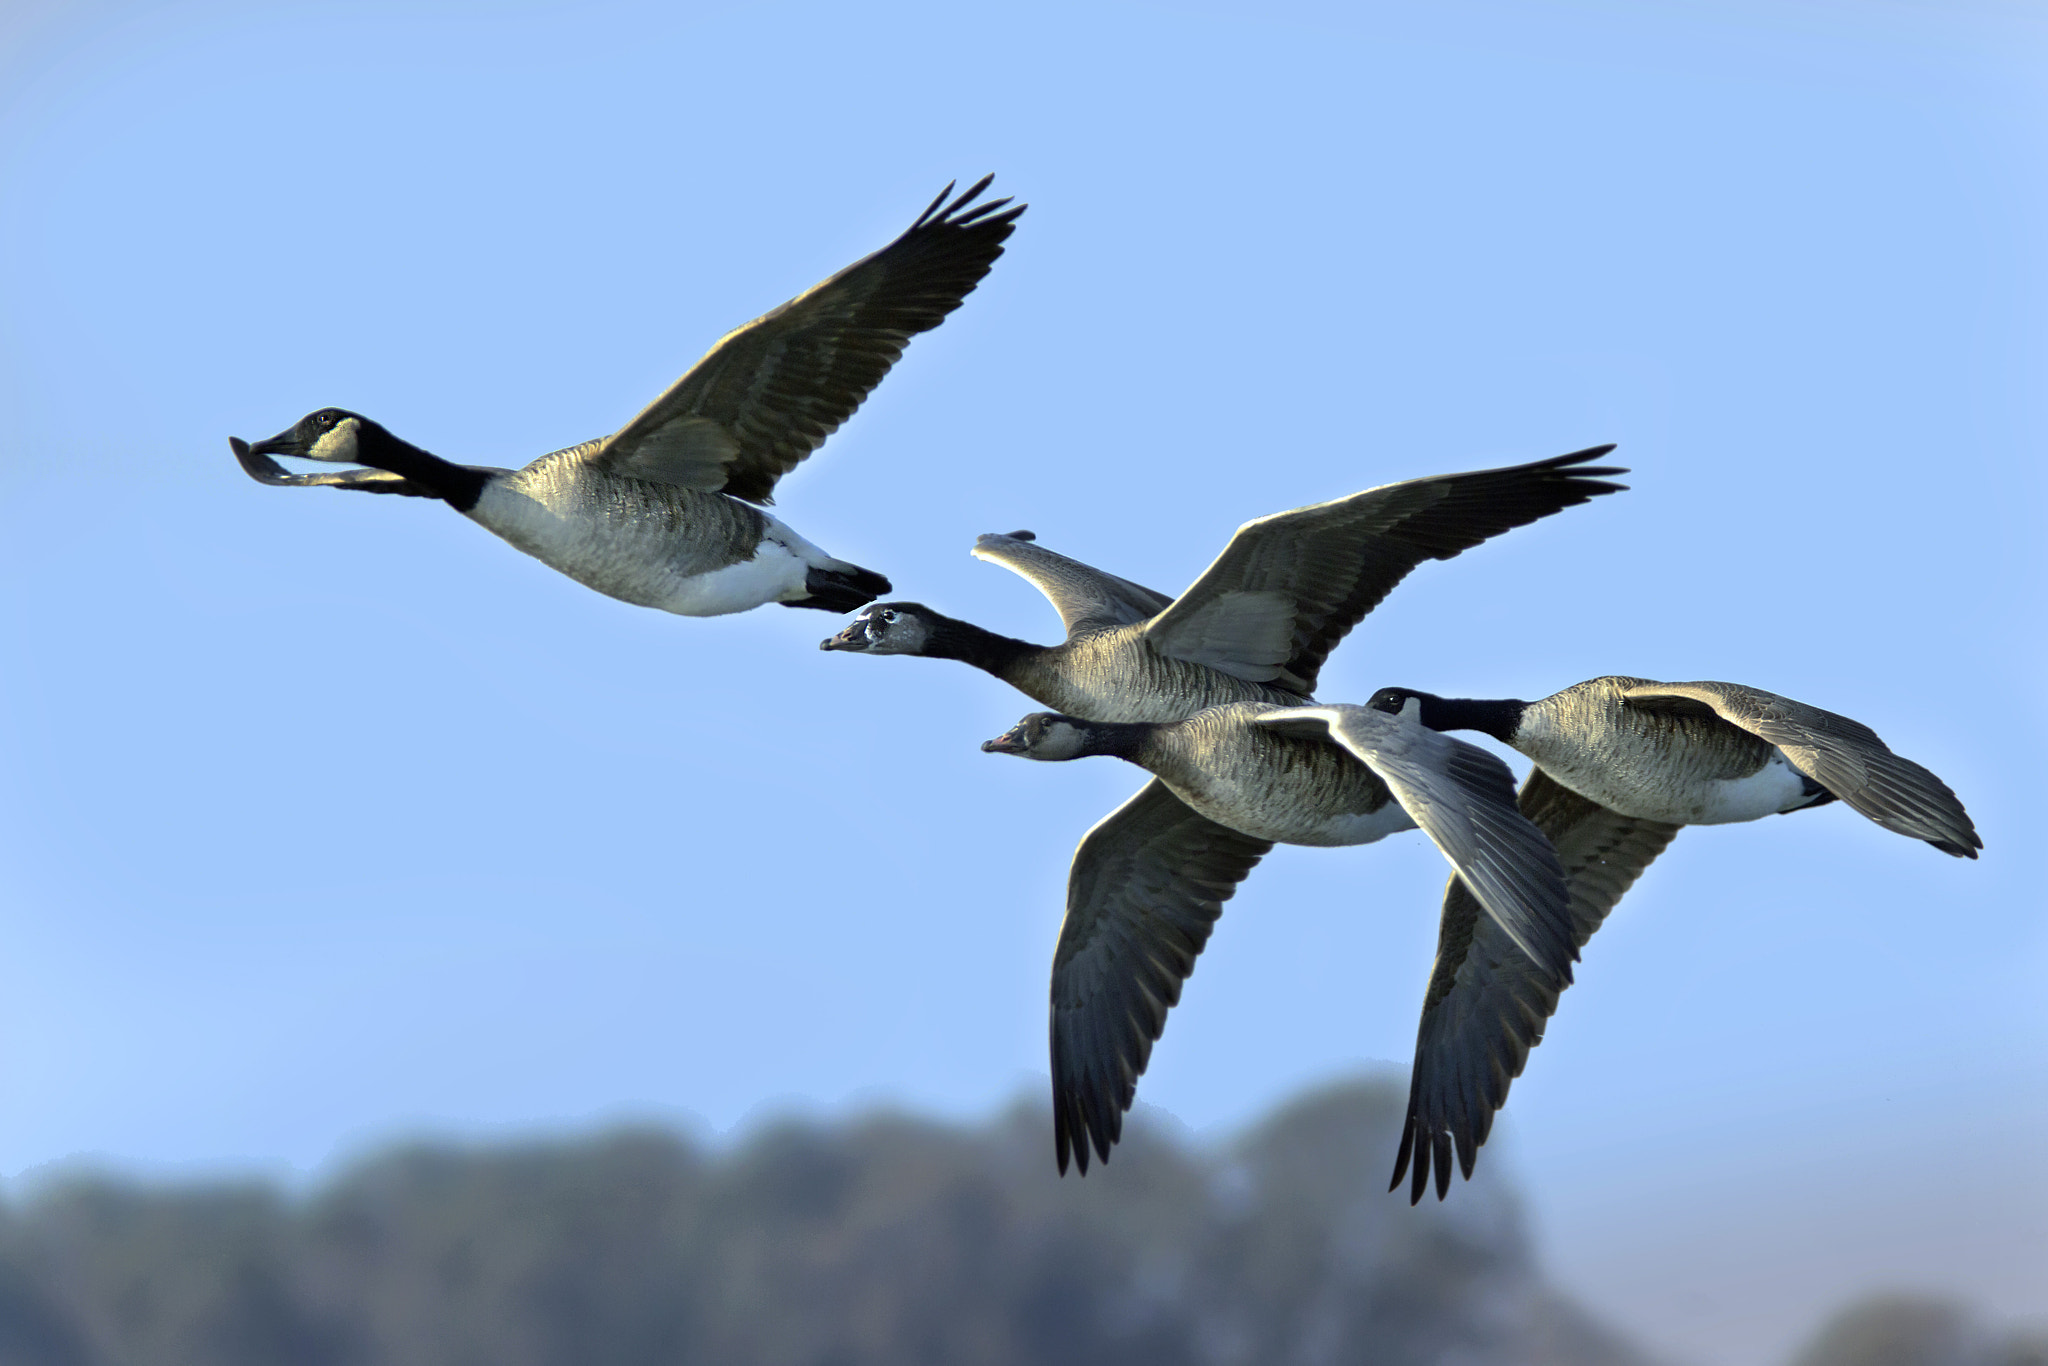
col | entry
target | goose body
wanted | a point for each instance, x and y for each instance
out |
(1707, 754)
(1259, 622)
(1657, 764)
(1622, 764)
(678, 550)
(1149, 881)
(663, 513)
(1256, 779)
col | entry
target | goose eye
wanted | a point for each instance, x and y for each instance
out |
(888, 616)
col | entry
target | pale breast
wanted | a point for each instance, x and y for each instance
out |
(1291, 791)
(654, 545)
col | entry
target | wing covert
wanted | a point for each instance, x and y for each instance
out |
(768, 393)
(1290, 586)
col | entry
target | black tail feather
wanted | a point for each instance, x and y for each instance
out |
(840, 590)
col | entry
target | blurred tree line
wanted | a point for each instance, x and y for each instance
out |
(889, 1240)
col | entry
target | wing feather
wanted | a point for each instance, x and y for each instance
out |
(1846, 757)
(1464, 800)
(1316, 571)
(770, 392)
(1147, 885)
(1487, 1004)
(1086, 598)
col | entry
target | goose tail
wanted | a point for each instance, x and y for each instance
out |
(840, 587)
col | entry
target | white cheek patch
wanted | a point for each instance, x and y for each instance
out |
(338, 444)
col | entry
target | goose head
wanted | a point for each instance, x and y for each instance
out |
(887, 628)
(1501, 719)
(1043, 735)
(334, 435)
(1395, 701)
(379, 462)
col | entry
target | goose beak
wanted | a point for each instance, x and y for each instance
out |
(259, 466)
(1009, 742)
(854, 637)
(286, 442)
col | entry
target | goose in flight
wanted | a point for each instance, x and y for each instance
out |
(666, 511)
(1621, 764)
(1229, 782)
(1259, 622)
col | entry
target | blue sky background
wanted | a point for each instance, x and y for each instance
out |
(325, 819)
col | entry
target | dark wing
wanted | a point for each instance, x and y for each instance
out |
(769, 393)
(1842, 755)
(1487, 1004)
(1290, 586)
(1147, 885)
(264, 470)
(1464, 800)
(1086, 598)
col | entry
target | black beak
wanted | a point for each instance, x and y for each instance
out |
(286, 442)
(258, 465)
(1009, 742)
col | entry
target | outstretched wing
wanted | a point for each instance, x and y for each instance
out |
(1147, 885)
(1842, 755)
(1086, 598)
(1487, 1004)
(1290, 586)
(769, 393)
(1464, 800)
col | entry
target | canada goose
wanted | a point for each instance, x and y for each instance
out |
(1149, 881)
(1258, 623)
(658, 512)
(1621, 765)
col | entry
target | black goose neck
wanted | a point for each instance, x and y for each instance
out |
(1000, 655)
(457, 485)
(1117, 739)
(1498, 717)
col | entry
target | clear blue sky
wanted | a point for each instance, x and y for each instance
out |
(325, 818)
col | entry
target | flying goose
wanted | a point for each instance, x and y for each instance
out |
(1149, 881)
(1621, 764)
(660, 513)
(1258, 623)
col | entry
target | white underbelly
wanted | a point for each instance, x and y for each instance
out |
(649, 561)
(1775, 787)
(1368, 828)
(1253, 812)
(773, 575)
